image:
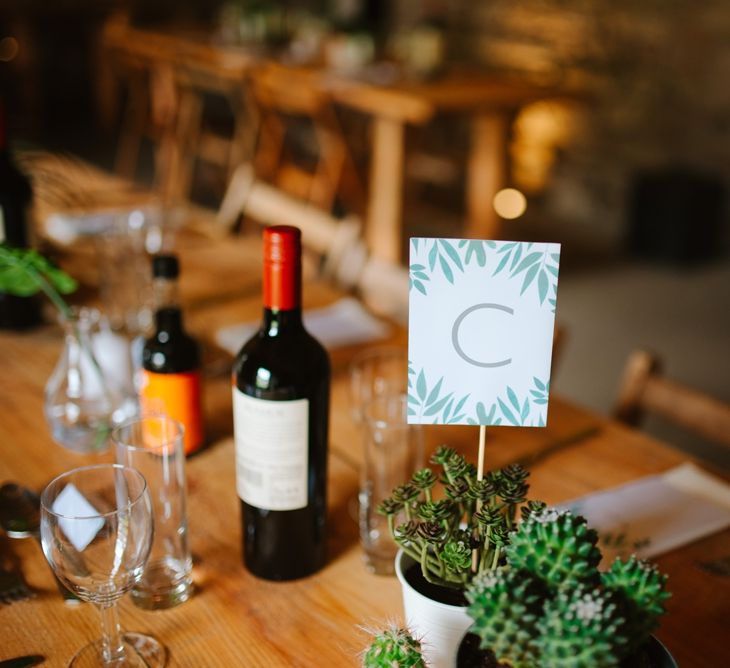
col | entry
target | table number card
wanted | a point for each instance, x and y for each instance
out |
(481, 318)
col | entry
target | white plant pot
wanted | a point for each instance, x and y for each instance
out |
(439, 626)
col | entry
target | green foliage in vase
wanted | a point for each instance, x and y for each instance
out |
(24, 272)
(643, 590)
(393, 648)
(450, 520)
(506, 606)
(557, 547)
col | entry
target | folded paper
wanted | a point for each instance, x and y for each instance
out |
(343, 323)
(658, 513)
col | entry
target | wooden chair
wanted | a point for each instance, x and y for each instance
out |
(645, 390)
(199, 78)
(148, 114)
(167, 81)
(319, 166)
(333, 244)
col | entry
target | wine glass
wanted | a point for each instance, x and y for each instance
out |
(96, 531)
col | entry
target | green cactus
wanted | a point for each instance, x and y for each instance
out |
(505, 606)
(556, 547)
(393, 648)
(549, 607)
(581, 627)
(642, 589)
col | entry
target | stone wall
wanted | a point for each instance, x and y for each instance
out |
(658, 76)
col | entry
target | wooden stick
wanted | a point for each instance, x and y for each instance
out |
(480, 476)
(480, 463)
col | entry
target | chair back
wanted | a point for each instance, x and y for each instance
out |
(301, 144)
(334, 242)
(645, 390)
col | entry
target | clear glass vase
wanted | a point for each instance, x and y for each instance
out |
(89, 391)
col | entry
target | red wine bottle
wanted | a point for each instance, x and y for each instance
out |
(281, 381)
(171, 359)
(15, 198)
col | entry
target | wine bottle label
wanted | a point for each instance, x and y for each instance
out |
(176, 395)
(272, 453)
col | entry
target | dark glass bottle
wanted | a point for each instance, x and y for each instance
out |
(15, 199)
(281, 383)
(171, 359)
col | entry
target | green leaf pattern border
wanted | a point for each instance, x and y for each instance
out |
(434, 403)
(519, 260)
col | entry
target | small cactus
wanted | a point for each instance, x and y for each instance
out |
(643, 590)
(555, 546)
(550, 607)
(505, 606)
(582, 627)
(394, 647)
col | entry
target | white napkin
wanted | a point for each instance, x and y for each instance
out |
(656, 514)
(86, 523)
(343, 323)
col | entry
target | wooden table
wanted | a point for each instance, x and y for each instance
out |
(489, 102)
(237, 620)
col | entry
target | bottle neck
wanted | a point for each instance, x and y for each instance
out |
(168, 319)
(277, 321)
(282, 285)
(3, 130)
(168, 316)
(165, 293)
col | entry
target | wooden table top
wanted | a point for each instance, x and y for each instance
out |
(405, 99)
(235, 619)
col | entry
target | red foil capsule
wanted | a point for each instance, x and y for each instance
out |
(282, 268)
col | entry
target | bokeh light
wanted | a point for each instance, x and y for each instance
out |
(9, 48)
(510, 203)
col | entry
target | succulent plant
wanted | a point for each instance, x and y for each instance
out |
(464, 522)
(550, 607)
(394, 647)
(581, 627)
(556, 547)
(642, 589)
(505, 606)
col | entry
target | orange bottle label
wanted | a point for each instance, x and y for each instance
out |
(178, 396)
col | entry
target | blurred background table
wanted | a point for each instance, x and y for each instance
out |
(168, 73)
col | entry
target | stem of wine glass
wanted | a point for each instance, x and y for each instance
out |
(112, 647)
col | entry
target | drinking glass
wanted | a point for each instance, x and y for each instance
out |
(153, 444)
(376, 372)
(96, 532)
(393, 451)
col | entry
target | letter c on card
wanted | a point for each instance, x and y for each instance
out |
(455, 335)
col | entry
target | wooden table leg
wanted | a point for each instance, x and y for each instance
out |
(385, 196)
(487, 173)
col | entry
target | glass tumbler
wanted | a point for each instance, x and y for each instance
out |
(153, 444)
(376, 372)
(393, 451)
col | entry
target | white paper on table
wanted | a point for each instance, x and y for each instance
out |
(65, 228)
(343, 323)
(656, 514)
(86, 523)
